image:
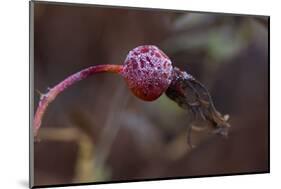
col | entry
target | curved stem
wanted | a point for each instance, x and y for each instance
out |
(47, 98)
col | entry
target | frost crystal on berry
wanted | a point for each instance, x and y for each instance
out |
(147, 71)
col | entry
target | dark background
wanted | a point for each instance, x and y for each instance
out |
(98, 131)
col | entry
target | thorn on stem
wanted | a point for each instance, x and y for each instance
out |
(39, 92)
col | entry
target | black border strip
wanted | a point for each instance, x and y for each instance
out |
(268, 97)
(87, 5)
(31, 89)
(145, 180)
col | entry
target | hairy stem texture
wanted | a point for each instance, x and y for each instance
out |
(47, 98)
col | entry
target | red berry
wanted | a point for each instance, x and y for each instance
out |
(147, 71)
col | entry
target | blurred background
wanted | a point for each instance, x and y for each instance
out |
(97, 131)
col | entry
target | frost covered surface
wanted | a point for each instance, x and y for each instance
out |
(147, 70)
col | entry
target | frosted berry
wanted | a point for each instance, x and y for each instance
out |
(147, 71)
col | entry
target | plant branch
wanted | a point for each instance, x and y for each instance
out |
(46, 99)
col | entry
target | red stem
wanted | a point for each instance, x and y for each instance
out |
(47, 98)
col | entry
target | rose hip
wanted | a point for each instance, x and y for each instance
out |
(147, 71)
